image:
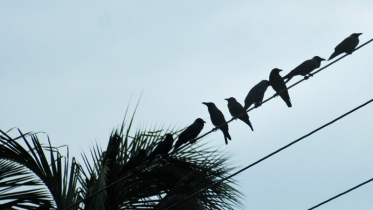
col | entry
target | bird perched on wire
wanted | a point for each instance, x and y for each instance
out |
(190, 133)
(162, 148)
(256, 94)
(305, 68)
(237, 110)
(278, 84)
(217, 119)
(134, 161)
(348, 45)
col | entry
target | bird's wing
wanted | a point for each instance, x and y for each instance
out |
(346, 43)
(217, 117)
(305, 67)
(187, 133)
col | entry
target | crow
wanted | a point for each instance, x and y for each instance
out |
(217, 119)
(163, 147)
(347, 45)
(278, 84)
(305, 68)
(134, 160)
(238, 111)
(256, 94)
(190, 133)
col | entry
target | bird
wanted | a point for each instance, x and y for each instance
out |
(305, 68)
(237, 110)
(217, 119)
(278, 84)
(163, 147)
(256, 94)
(190, 133)
(347, 45)
(134, 160)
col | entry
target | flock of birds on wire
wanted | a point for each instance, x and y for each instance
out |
(255, 96)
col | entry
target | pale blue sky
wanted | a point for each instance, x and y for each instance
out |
(70, 69)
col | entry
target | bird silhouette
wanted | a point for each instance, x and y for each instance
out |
(134, 161)
(256, 94)
(278, 84)
(347, 45)
(217, 119)
(305, 68)
(163, 147)
(237, 110)
(190, 133)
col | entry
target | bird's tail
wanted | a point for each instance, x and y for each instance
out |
(286, 98)
(287, 77)
(333, 55)
(288, 102)
(247, 106)
(249, 124)
(226, 136)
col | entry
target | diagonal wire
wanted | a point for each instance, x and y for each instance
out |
(214, 129)
(207, 133)
(345, 192)
(273, 153)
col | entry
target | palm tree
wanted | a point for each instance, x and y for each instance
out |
(156, 185)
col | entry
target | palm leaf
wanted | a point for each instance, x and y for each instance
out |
(57, 180)
(163, 183)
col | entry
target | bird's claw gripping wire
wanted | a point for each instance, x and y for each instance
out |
(308, 76)
(256, 105)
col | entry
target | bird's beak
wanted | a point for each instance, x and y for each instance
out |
(204, 103)
(203, 121)
(279, 70)
(226, 99)
(323, 59)
(359, 33)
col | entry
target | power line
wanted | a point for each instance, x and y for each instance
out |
(273, 153)
(347, 191)
(207, 133)
(214, 129)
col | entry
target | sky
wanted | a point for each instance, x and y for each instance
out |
(70, 69)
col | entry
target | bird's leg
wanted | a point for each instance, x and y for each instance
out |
(275, 95)
(258, 104)
(192, 141)
(215, 129)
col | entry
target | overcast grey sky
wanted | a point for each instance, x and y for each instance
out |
(70, 70)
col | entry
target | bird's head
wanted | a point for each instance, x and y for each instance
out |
(208, 104)
(318, 58)
(275, 72)
(231, 99)
(200, 121)
(169, 136)
(356, 34)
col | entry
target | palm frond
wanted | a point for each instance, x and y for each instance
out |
(13, 178)
(57, 178)
(167, 181)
